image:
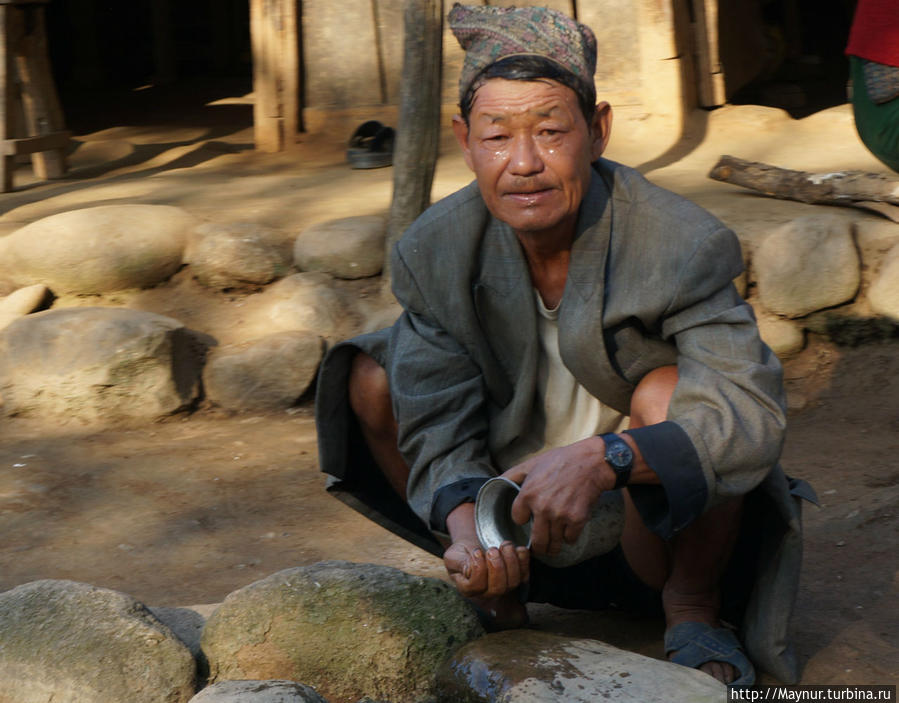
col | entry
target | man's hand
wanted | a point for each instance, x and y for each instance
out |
(480, 574)
(558, 489)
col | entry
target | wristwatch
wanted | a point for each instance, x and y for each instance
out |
(620, 457)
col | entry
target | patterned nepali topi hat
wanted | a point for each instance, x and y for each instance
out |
(489, 33)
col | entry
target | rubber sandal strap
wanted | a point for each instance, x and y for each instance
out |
(693, 644)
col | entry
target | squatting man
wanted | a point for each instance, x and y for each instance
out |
(574, 328)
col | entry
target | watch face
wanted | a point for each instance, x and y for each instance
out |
(618, 454)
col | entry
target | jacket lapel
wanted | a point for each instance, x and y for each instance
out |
(581, 331)
(504, 301)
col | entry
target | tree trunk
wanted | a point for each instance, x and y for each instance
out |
(418, 131)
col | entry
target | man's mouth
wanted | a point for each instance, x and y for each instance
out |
(531, 195)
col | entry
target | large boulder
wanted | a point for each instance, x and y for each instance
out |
(237, 255)
(270, 373)
(525, 666)
(883, 295)
(808, 264)
(258, 692)
(349, 630)
(97, 364)
(69, 642)
(305, 301)
(98, 249)
(352, 247)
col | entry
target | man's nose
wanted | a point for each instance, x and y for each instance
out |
(525, 157)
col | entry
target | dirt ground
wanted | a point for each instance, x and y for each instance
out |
(186, 510)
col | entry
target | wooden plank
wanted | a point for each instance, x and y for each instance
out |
(42, 112)
(30, 145)
(7, 88)
(710, 79)
(340, 54)
(290, 73)
(266, 111)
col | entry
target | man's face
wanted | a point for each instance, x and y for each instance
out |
(530, 148)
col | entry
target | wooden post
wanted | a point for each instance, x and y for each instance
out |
(23, 56)
(43, 114)
(273, 29)
(418, 131)
(7, 104)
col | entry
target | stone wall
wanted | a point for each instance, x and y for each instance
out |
(825, 274)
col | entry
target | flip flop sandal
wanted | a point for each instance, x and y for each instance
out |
(371, 146)
(695, 643)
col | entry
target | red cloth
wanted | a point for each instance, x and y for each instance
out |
(875, 31)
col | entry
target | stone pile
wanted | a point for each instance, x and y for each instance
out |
(816, 273)
(333, 632)
(115, 365)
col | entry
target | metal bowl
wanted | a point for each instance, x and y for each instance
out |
(494, 524)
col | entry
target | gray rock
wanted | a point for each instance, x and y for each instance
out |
(270, 373)
(73, 643)
(785, 337)
(352, 247)
(98, 249)
(23, 301)
(98, 364)
(808, 264)
(349, 630)
(237, 255)
(527, 666)
(306, 301)
(258, 692)
(883, 295)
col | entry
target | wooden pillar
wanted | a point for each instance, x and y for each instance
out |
(418, 131)
(276, 74)
(24, 57)
(7, 102)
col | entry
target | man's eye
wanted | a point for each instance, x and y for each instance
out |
(495, 138)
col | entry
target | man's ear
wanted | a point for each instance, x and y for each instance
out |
(600, 129)
(460, 129)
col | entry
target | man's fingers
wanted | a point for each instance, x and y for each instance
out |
(556, 537)
(467, 569)
(524, 562)
(510, 561)
(521, 511)
(539, 534)
(572, 531)
(517, 473)
(497, 579)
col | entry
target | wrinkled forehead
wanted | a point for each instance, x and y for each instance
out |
(498, 98)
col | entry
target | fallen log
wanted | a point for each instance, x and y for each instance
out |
(870, 191)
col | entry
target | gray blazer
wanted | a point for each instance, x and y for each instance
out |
(649, 284)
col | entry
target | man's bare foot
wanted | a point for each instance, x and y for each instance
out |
(702, 608)
(504, 612)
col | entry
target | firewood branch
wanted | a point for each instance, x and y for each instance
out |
(838, 188)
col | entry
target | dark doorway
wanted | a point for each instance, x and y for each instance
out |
(804, 68)
(123, 63)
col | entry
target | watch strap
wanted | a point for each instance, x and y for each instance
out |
(622, 471)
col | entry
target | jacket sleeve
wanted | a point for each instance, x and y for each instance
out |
(439, 401)
(726, 419)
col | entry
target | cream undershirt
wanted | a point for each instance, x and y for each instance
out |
(564, 411)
